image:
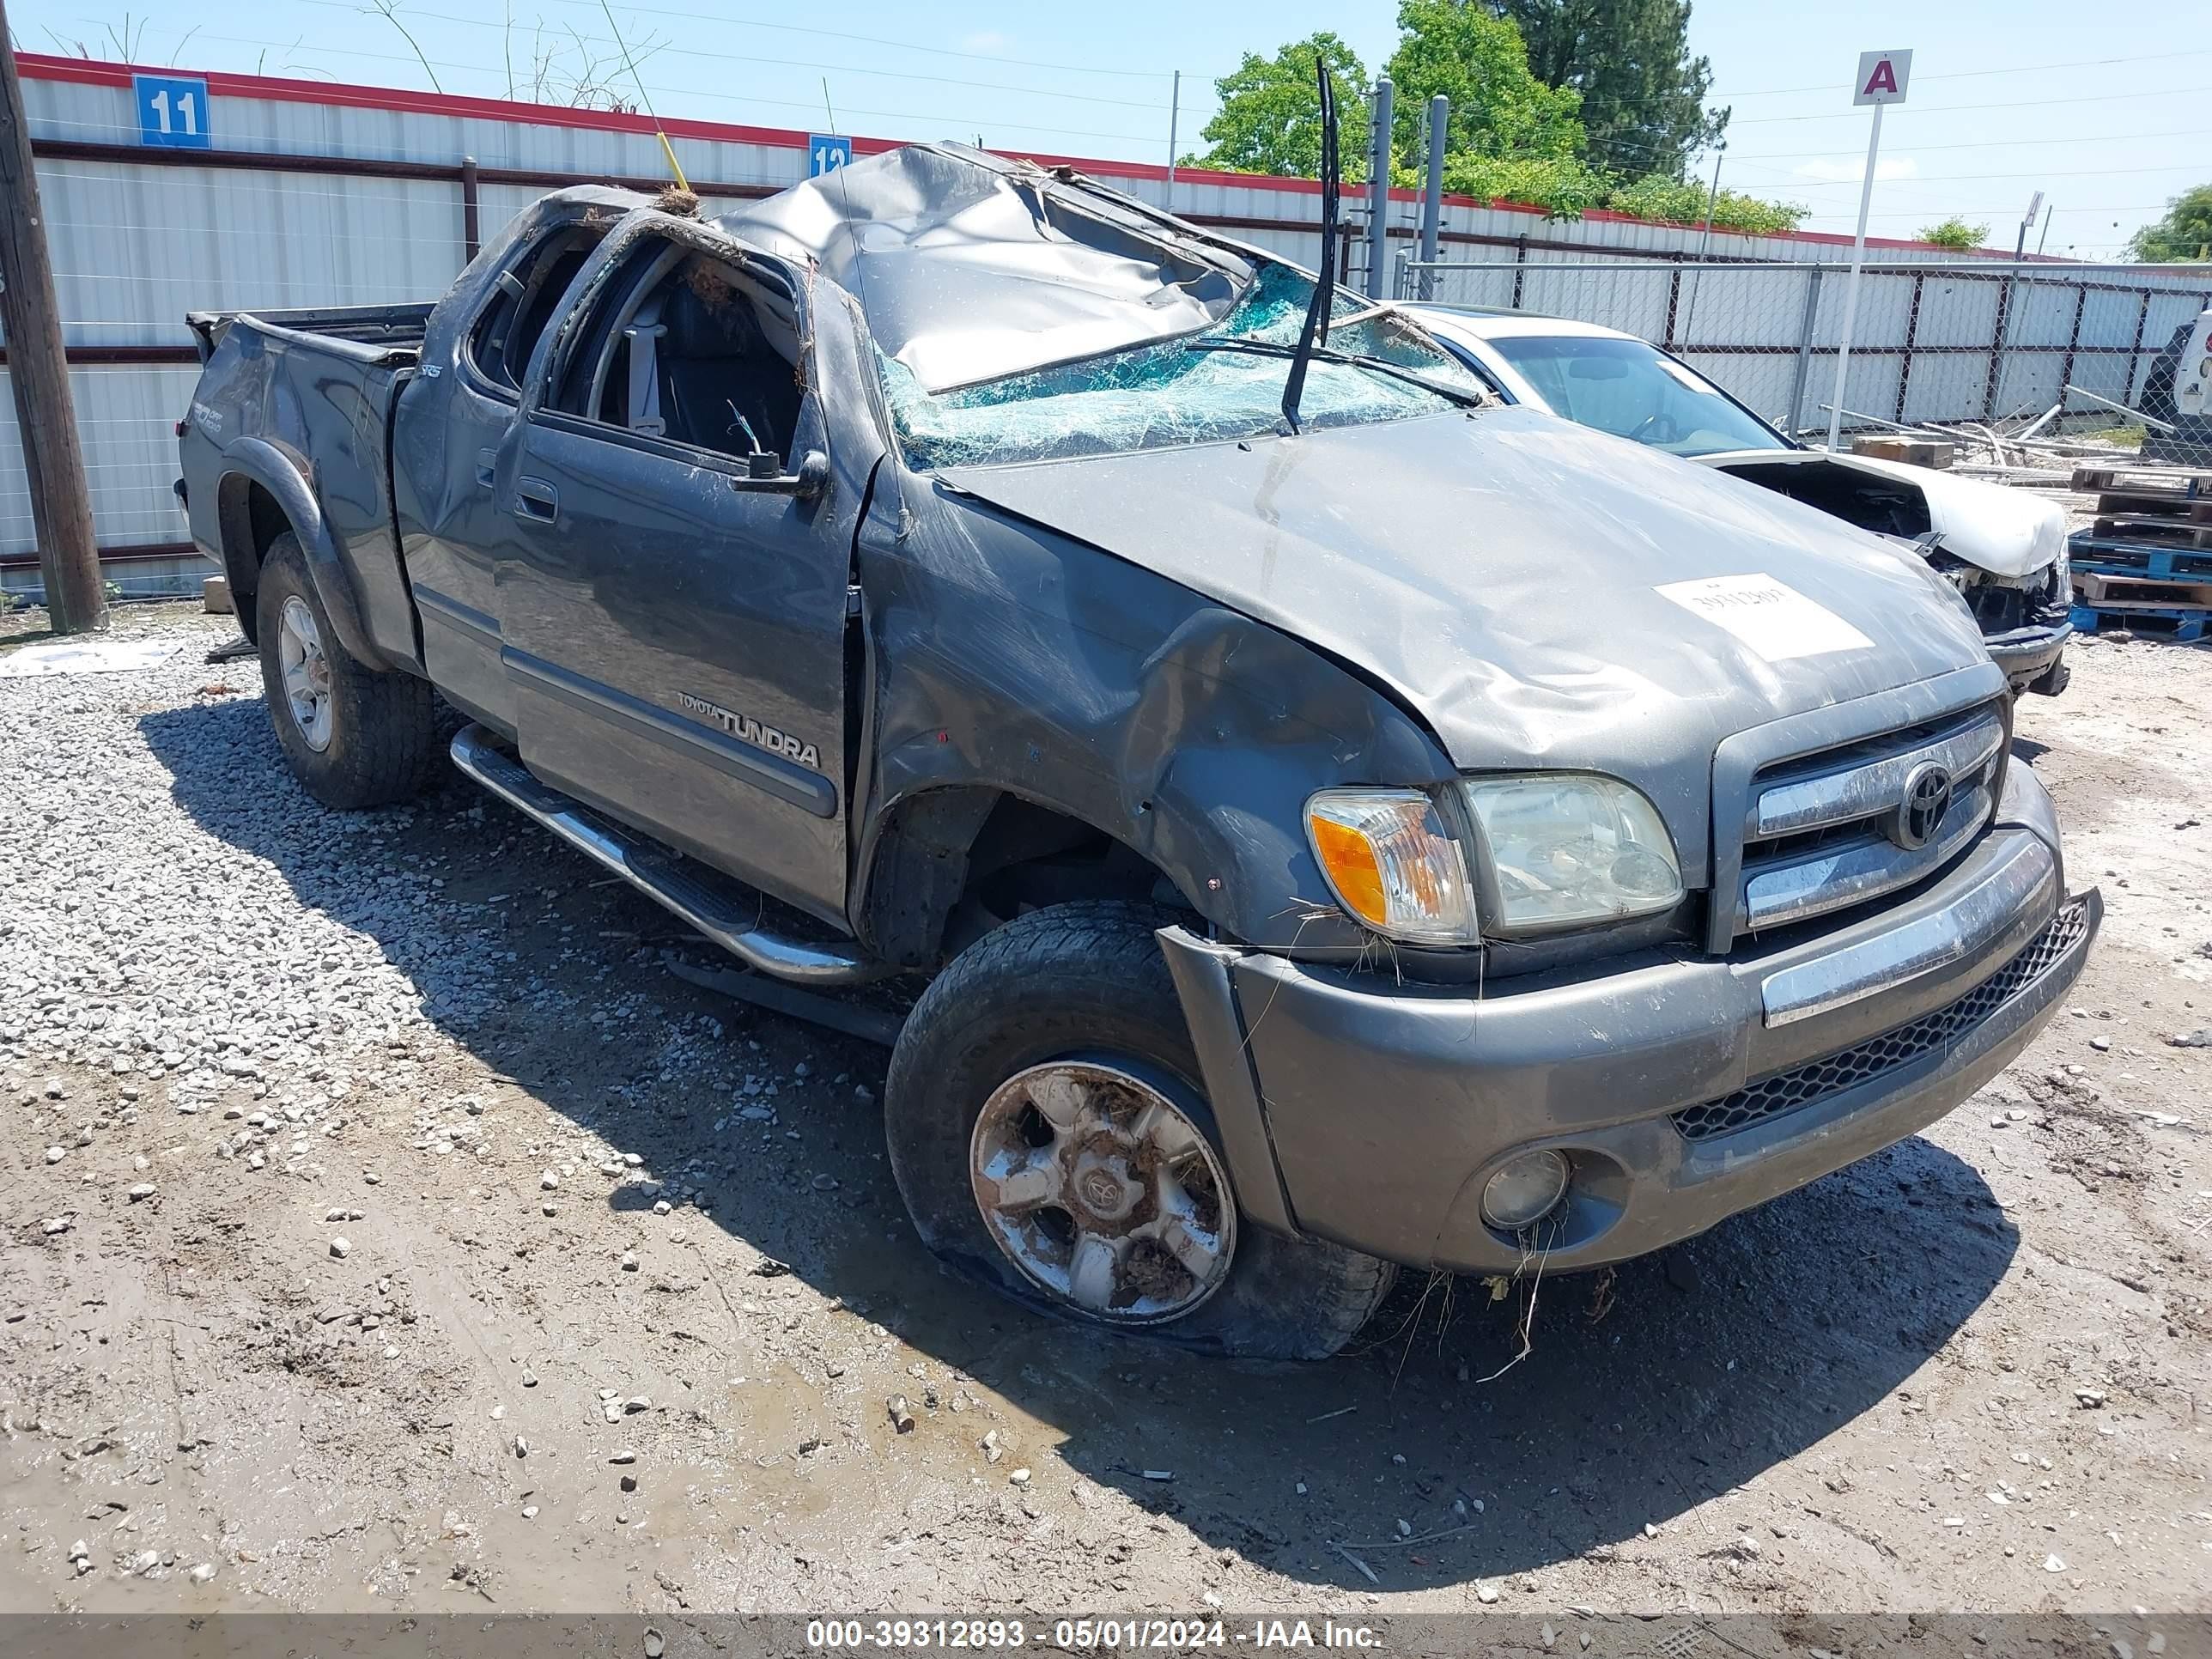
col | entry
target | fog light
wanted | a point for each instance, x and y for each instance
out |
(1525, 1191)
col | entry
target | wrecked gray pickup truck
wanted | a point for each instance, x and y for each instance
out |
(1436, 834)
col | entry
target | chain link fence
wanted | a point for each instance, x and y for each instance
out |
(1981, 341)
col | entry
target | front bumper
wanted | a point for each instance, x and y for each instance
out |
(1681, 1090)
(2028, 654)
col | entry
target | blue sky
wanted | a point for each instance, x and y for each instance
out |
(2006, 98)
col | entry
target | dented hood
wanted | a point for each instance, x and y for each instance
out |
(2008, 532)
(1502, 574)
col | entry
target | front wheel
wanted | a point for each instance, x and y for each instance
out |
(1050, 1136)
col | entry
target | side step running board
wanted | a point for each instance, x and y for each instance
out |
(660, 875)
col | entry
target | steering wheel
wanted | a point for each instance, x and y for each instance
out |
(1674, 434)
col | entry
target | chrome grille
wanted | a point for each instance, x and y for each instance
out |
(1817, 829)
(1801, 1085)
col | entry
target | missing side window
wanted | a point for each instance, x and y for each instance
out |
(523, 301)
(696, 351)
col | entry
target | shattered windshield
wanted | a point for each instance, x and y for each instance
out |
(1198, 389)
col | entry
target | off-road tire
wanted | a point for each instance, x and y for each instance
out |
(384, 738)
(1087, 980)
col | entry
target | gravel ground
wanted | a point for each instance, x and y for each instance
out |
(384, 1226)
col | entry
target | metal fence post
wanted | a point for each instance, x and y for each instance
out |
(1432, 194)
(471, 220)
(1378, 191)
(1806, 319)
(1912, 339)
(1402, 287)
(1997, 347)
(2134, 351)
(2073, 345)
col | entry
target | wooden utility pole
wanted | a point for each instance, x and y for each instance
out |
(37, 369)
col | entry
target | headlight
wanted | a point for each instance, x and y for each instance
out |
(1393, 865)
(1568, 848)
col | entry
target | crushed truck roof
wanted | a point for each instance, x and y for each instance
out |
(971, 267)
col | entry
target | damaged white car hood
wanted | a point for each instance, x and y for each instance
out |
(2007, 532)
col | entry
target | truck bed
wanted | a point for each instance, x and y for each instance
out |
(388, 335)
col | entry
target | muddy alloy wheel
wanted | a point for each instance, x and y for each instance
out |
(306, 672)
(1100, 1191)
(355, 737)
(1050, 1134)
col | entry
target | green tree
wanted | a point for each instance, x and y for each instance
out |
(1499, 109)
(1562, 186)
(2186, 233)
(1682, 202)
(1954, 232)
(1270, 116)
(1511, 137)
(1642, 93)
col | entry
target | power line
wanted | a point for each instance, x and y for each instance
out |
(961, 123)
(1939, 177)
(2130, 96)
(1968, 74)
(879, 40)
(1989, 143)
(689, 51)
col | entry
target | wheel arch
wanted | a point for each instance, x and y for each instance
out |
(260, 494)
(943, 846)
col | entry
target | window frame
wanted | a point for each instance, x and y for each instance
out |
(528, 254)
(619, 287)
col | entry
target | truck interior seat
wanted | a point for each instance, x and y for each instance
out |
(716, 364)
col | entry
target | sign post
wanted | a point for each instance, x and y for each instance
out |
(1882, 81)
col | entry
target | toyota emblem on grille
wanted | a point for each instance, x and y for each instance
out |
(1920, 814)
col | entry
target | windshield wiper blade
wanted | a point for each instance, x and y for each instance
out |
(1468, 397)
(1324, 295)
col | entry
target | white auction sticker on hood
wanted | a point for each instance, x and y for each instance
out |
(1768, 615)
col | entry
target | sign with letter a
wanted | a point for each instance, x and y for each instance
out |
(1883, 76)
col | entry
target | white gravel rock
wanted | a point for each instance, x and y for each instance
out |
(200, 921)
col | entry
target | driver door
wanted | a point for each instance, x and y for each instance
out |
(672, 600)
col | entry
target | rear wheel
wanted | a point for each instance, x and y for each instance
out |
(1049, 1133)
(353, 737)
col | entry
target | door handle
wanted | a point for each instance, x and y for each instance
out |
(487, 459)
(536, 501)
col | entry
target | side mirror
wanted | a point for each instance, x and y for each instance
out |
(764, 475)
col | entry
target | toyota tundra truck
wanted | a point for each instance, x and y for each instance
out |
(1324, 818)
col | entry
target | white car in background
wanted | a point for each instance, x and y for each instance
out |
(2004, 550)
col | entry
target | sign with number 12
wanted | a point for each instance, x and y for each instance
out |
(172, 110)
(826, 151)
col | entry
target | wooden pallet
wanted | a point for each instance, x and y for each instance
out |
(2155, 503)
(2185, 482)
(2152, 532)
(2088, 552)
(2184, 625)
(2116, 592)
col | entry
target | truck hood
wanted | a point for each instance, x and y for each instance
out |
(1501, 573)
(2007, 532)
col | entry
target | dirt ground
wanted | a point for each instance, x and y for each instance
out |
(625, 1287)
